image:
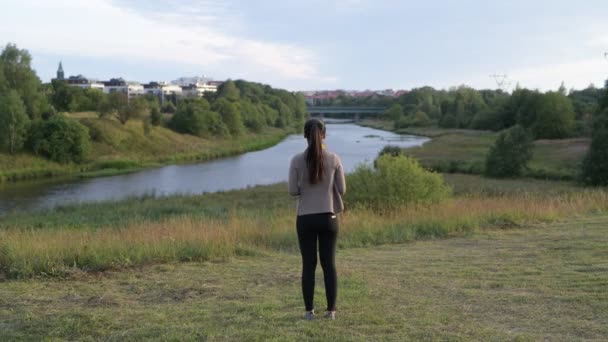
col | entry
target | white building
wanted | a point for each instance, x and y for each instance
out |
(84, 83)
(186, 81)
(119, 85)
(162, 90)
(198, 90)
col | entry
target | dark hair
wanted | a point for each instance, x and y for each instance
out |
(313, 132)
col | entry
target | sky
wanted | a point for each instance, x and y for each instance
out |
(318, 44)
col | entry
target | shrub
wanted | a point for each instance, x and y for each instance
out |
(391, 150)
(60, 139)
(395, 181)
(510, 153)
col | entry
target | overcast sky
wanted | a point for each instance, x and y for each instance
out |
(317, 44)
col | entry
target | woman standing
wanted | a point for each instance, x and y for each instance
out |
(317, 178)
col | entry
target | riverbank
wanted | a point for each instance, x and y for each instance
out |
(118, 149)
(464, 151)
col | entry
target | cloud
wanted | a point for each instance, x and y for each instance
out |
(104, 29)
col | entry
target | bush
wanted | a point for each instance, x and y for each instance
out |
(60, 139)
(391, 150)
(395, 181)
(510, 153)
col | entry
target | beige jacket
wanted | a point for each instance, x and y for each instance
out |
(326, 195)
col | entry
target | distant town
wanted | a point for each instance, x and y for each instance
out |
(182, 87)
(197, 86)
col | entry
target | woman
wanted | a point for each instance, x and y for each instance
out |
(317, 178)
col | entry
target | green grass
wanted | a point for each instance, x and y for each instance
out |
(131, 233)
(464, 151)
(540, 282)
(118, 148)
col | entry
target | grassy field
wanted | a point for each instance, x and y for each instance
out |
(110, 236)
(536, 282)
(462, 150)
(118, 148)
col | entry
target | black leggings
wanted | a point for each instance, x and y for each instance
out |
(323, 227)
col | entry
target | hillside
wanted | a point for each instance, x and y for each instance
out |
(121, 148)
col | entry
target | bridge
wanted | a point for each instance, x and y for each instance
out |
(355, 112)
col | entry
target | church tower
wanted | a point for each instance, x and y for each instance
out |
(60, 75)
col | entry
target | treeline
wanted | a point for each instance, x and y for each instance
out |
(557, 114)
(31, 119)
(239, 106)
(513, 148)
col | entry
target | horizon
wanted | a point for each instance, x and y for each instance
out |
(322, 45)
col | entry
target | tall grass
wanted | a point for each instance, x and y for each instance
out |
(59, 252)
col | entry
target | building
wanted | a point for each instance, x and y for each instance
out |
(84, 83)
(162, 90)
(187, 81)
(60, 74)
(119, 85)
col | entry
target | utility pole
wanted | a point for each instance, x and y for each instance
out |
(502, 81)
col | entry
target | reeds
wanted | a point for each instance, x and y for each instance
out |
(58, 252)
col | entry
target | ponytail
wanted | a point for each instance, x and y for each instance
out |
(313, 132)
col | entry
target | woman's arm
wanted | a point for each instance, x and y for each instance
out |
(339, 180)
(292, 183)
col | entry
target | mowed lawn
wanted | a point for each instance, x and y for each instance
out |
(539, 282)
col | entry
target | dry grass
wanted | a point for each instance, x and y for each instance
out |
(27, 252)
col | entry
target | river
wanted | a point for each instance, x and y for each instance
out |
(354, 144)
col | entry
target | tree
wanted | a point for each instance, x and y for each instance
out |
(60, 139)
(510, 153)
(229, 91)
(135, 108)
(595, 164)
(155, 116)
(488, 119)
(169, 107)
(230, 115)
(18, 75)
(555, 117)
(189, 117)
(13, 122)
(395, 112)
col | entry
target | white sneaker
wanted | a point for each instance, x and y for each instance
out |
(330, 315)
